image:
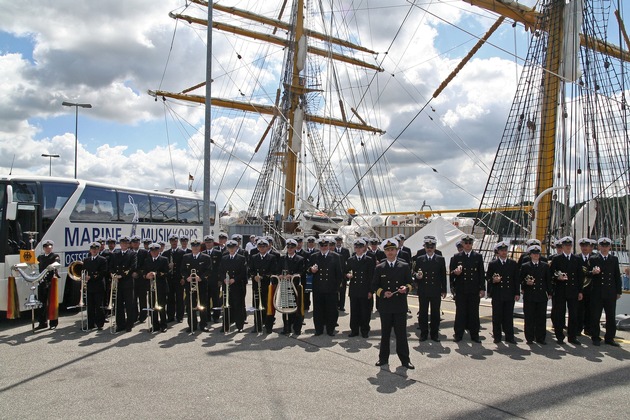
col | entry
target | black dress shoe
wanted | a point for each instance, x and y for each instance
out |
(52, 327)
(41, 327)
(457, 339)
(529, 342)
(574, 341)
(296, 333)
(423, 338)
(511, 341)
(318, 333)
(408, 365)
(612, 343)
(597, 342)
(128, 329)
(542, 342)
(436, 339)
(163, 329)
(381, 363)
(476, 340)
(365, 335)
(205, 329)
(560, 341)
(496, 340)
(332, 334)
(353, 334)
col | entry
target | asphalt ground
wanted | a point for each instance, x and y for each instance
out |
(67, 374)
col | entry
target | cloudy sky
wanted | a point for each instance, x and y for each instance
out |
(109, 53)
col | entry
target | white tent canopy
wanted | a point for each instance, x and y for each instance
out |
(445, 233)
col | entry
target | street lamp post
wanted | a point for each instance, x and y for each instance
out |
(76, 129)
(50, 162)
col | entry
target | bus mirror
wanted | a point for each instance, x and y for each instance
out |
(11, 211)
(11, 205)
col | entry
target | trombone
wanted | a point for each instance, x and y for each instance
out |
(154, 305)
(226, 304)
(194, 289)
(258, 311)
(113, 295)
(73, 273)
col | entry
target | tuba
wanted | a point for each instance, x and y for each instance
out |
(285, 298)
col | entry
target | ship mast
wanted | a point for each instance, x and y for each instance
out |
(291, 113)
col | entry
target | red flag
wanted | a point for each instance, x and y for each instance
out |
(53, 300)
(13, 303)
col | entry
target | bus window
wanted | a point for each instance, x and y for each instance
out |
(54, 197)
(24, 227)
(133, 207)
(96, 204)
(188, 211)
(25, 192)
(163, 209)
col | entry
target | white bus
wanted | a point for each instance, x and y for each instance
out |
(73, 213)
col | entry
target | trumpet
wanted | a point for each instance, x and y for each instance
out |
(560, 275)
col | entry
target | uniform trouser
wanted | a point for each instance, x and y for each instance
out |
(293, 321)
(307, 301)
(159, 317)
(43, 289)
(125, 304)
(584, 312)
(560, 305)
(237, 306)
(434, 303)
(197, 314)
(95, 314)
(175, 300)
(108, 289)
(360, 314)
(535, 320)
(325, 312)
(609, 305)
(399, 322)
(467, 314)
(140, 288)
(503, 318)
(342, 296)
(214, 300)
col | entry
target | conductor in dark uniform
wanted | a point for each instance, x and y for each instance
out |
(43, 288)
(124, 265)
(95, 267)
(504, 289)
(360, 273)
(201, 264)
(535, 280)
(606, 290)
(156, 268)
(294, 264)
(467, 274)
(327, 276)
(233, 266)
(391, 282)
(430, 277)
(567, 281)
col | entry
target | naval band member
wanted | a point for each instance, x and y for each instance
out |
(430, 277)
(467, 274)
(504, 289)
(44, 287)
(156, 268)
(124, 265)
(201, 264)
(294, 264)
(360, 272)
(535, 280)
(95, 267)
(606, 290)
(327, 275)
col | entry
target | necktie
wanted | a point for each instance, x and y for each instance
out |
(605, 258)
(391, 264)
(154, 259)
(535, 264)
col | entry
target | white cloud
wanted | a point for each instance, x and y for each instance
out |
(111, 53)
